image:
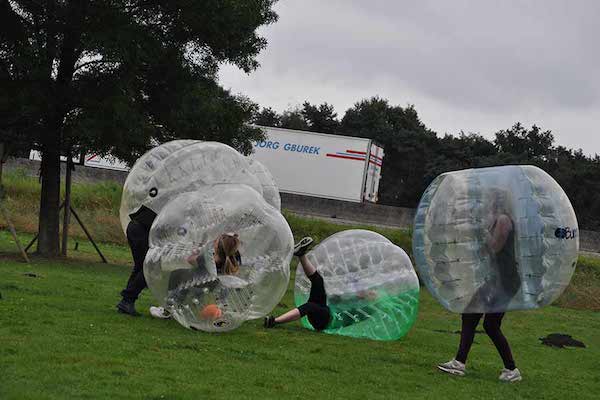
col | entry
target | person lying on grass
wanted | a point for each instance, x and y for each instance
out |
(316, 309)
(223, 257)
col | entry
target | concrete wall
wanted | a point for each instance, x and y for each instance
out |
(366, 213)
(359, 212)
(81, 173)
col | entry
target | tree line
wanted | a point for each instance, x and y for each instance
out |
(116, 77)
(415, 155)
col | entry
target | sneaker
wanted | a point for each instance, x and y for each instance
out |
(160, 312)
(269, 321)
(453, 367)
(302, 246)
(127, 307)
(508, 375)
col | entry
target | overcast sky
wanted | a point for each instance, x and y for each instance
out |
(477, 66)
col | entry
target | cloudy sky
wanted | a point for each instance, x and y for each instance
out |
(477, 66)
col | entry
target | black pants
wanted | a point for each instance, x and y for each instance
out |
(315, 309)
(137, 236)
(491, 325)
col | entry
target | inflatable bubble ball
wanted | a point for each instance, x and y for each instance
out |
(269, 187)
(178, 167)
(219, 257)
(372, 289)
(495, 239)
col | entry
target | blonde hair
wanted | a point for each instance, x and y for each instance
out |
(228, 246)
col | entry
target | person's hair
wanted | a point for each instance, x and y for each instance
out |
(500, 201)
(228, 246)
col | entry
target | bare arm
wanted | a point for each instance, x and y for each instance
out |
(496, 240)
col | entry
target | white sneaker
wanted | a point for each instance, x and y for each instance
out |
(453, 367)
(508, 375)
(160, 312)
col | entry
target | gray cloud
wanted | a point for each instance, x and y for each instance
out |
(477, 66)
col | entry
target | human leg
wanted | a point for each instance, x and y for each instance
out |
(491, 325)
(137, 237)
(467, 335)
(291, 315)
(307, 266)
(318, 315)
(456, 366)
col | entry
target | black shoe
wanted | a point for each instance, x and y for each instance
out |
(302, 246)
(127, 307)
(269, 321)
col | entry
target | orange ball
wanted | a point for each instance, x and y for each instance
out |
(211, 311)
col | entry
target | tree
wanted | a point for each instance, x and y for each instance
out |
(267, 117)
(408, 144)
(117, 75)
(322, 118)
(460, 152)
(293, 119)
(527, 145)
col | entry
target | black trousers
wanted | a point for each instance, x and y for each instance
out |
(315, 309)
(137, 236)
(491, 325)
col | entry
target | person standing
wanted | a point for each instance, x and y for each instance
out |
(495, 294)
(138, 232)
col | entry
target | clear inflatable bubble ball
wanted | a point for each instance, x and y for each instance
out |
(219, 257)
(371, 286)
(495, 239)
(270, 189)
(178, 167)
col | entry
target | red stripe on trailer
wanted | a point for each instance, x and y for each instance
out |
(346, 157)
(92, 157)
(356, 152)
(365, 153)
(375, 162)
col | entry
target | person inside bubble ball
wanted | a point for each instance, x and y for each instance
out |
(138, 232)
(494, 293)
(316, 309)
(220, 258)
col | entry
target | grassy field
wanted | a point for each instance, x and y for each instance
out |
(98, 206)
(60, 337)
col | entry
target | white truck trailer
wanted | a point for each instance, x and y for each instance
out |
(322, 165)
(89, 160)
(306, 163)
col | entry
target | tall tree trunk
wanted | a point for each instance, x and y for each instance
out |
(49, 221)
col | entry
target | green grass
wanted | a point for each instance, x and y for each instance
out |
(584, 290)
(60, 338)
(98, 206)
(96, 203)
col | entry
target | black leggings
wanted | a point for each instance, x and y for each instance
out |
(491, 325)
(137, 236)
(315, 309)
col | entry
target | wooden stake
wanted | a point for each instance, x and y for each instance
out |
(67, 204)
(11, 227)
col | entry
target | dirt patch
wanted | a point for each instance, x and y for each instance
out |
(561, 340)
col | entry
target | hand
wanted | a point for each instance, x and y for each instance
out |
(367, 295)
(191, 259)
